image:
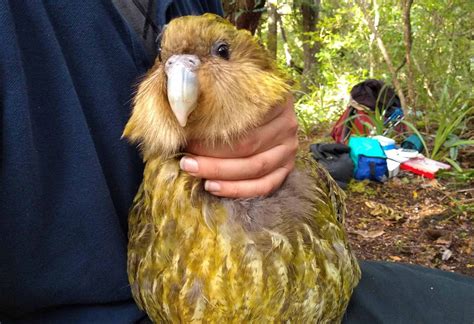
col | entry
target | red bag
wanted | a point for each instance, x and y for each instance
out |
(366, 97)
(352, 121)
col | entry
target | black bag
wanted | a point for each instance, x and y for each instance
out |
(373, 94)
(336, 159)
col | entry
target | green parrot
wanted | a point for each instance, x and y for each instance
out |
(195, 257)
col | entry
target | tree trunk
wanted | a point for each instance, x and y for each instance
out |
(245, 14)
(310, 15)
(407, 37)
(371, 41)
(286, 48)
(370, 23)
(272, 29)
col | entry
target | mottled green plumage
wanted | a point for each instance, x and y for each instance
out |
(191, 258)
(194, 257)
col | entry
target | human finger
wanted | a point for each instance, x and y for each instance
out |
(251, 167)
(250, 188)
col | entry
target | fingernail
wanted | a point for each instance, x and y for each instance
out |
(212, 186)
(188, 164)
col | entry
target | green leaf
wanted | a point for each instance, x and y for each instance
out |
(454, 164)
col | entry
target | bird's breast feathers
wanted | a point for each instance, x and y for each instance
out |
(193, 256)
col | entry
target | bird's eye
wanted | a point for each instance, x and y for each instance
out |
(221, 50)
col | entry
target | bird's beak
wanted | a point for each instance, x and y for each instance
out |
(183, 85)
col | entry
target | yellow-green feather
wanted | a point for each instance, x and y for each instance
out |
(189, 262)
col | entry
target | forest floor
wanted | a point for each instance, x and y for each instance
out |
(412, 219)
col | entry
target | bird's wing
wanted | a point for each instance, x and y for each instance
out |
(324, 180)
(141, 233)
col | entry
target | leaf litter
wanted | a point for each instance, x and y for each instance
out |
(414, 220)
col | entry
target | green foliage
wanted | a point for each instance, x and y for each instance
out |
(318, 107)
(442, 63)
(450, 117)
(449, 120)
(415, 130)
(361, 187)
(458, 176)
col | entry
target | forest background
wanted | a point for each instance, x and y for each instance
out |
(423, 49)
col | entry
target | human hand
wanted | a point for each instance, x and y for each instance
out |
(256, 165)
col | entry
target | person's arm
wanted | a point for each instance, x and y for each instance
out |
(256, 166)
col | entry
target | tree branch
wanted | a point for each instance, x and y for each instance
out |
(407, 37)
(370, 23)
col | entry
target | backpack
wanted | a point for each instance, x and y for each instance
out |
(352, 121)
(366, 97)
(336, 159)
(370, 161)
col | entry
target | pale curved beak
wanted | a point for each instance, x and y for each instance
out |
(183, 86)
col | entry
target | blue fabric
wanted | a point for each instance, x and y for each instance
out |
(371, 168)
(364, 146)
(169, 9)
(67, 72)
(369, 159)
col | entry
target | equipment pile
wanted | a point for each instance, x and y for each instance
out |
(360, 153)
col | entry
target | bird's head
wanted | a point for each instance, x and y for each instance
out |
(211, 82)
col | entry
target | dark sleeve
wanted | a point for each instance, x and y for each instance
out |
(161, 12)
(178, 8)
(403, 293)
(67, 180)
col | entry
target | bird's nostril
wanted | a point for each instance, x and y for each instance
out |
(186, 60)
